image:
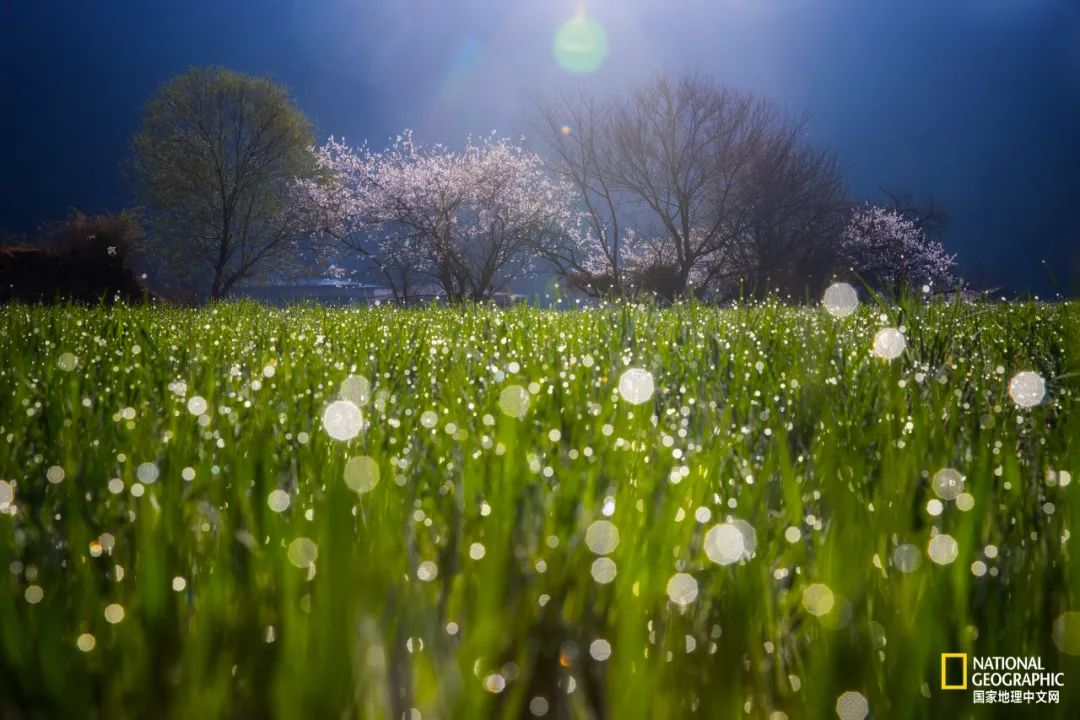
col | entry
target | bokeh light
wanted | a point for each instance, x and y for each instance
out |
(514, 401)
(427, 571)
(361, 473)
(636, 386)
(602, 537)
(840, 300)
(1067, 633)
(907, 558)
(197, 405)
(580, 45)
(852, 705)
(942, 549)
(356, 389)
(147, 473)
(114, 613)
(818, 599)
(600, 650)
(342, 420)
(603, 570)
(278, 500)
(889, 343)
(725, 544)
(948, 483)
(1027, 389)
(682, 589)
(303, 552)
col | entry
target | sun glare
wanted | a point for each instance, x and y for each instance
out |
(580, 44)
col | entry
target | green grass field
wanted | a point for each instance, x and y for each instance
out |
(181, 536)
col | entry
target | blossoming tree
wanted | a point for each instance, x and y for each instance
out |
(469, 221)
(889, 251)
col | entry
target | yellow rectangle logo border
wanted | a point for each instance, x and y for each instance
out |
(944, 658)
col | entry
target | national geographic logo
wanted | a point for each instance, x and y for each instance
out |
(1001, 678)
(954, 672)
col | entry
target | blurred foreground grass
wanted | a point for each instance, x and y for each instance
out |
(182, 538)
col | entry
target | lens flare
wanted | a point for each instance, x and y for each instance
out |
(580, 45)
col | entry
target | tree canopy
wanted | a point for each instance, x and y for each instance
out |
(215, 159)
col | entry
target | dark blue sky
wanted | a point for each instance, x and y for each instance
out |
(976, 101)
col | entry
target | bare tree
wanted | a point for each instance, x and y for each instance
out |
(665, 177)
(689, 186)
(215, 159)
(576, 133)
(683, 150)
(795, 210)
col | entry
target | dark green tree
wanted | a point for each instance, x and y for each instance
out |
(215, 161)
